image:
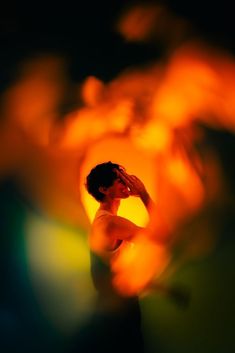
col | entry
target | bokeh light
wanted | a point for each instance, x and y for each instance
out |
(155, 121)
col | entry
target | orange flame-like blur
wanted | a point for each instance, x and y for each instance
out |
(162, 102)
(145, 107)
(136, 266)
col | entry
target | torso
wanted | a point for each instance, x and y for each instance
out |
(100, 242)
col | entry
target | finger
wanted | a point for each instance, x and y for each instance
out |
(133, 181)
(129, 180)
(134, 177)
(123, 177)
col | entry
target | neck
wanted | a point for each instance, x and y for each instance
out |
(110, 206)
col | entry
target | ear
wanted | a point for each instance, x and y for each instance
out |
(103, 190)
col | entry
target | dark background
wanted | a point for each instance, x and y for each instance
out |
(85, 33)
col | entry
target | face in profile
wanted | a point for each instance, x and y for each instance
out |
(118, 190)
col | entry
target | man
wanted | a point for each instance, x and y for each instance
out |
(118, 320)
(108, 183)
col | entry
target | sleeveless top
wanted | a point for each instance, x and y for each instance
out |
(98, 226)
(117, 323)
(100, 262)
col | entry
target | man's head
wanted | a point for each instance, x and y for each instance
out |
(102, 178)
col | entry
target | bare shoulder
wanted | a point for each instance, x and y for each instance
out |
(121, 227)
(108, 228)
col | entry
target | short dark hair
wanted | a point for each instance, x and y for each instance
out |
(102, 175)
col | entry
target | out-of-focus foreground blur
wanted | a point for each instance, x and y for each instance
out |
(148, 90)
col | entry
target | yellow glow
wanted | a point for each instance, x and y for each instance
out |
(59, 268)
(143, 107)
(119, 150)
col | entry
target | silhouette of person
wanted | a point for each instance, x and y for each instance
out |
(118, 318)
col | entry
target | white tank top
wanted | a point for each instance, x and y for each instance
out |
(98, 226)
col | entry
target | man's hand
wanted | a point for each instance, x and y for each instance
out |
(136, 188)
(133, 183)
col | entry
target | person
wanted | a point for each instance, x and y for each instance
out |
(118, 319)
(108, 183)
